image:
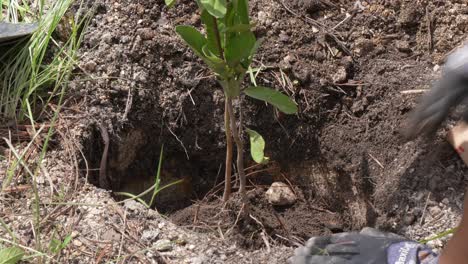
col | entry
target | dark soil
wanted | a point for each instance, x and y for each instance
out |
(342, 153)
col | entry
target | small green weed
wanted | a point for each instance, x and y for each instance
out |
(155, 188)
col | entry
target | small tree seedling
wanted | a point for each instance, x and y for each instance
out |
(228, 46)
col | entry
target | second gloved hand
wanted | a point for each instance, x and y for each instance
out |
(369, 246)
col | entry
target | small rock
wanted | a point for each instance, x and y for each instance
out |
(146, 33)
(149, 236)
(283, 37)
(409, 15)
(435, 243)
(90, 66)
(280, 194)
(107, 38)
(403, 46)
(363, 47)
(262, 17)
(111, 235)
(191, 247)
(446, 201)
(287, 62)
(133, 205)
(417, 212)
(340, 75)
(436, 68)
(163, 245)
(77, 243)
(301, 73)
(74, 234)
(409, 219)
(434, 210)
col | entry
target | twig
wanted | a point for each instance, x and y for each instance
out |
(265, 240)
(377, 161)
(180, 141)
(346, 19)
(103, 253)
(237, 220)
(430, 42)
(415, 91)
(306, 19)
(424, 209)
(128, 105)
(189, 92)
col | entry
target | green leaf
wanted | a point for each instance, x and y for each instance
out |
(276, 98)
(198, 43)
(208, 20)
(66, 241)
(11, 255)
(243, 11)
(193, 38)
(157, 180)
(210, 56)
(170, 3)
(238, 48)
(254, 50)
(216, 8)
(239, 28)
(257, 147)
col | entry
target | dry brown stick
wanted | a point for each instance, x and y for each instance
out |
(102, 253)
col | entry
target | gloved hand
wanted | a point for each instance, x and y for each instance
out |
(369, 246)
(445, 94)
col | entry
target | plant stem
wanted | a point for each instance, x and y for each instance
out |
(218, 38)
(240, 156)
(228, 170)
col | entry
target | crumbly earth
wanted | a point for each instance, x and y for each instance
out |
(355, 70)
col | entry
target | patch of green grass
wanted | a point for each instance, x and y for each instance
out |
(29, 72)
(34, 72)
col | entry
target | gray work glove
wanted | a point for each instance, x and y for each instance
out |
(369, 246)
(445, 94)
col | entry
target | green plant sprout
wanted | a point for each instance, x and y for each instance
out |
(228, 47)
(56, 244)
(155, 187)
